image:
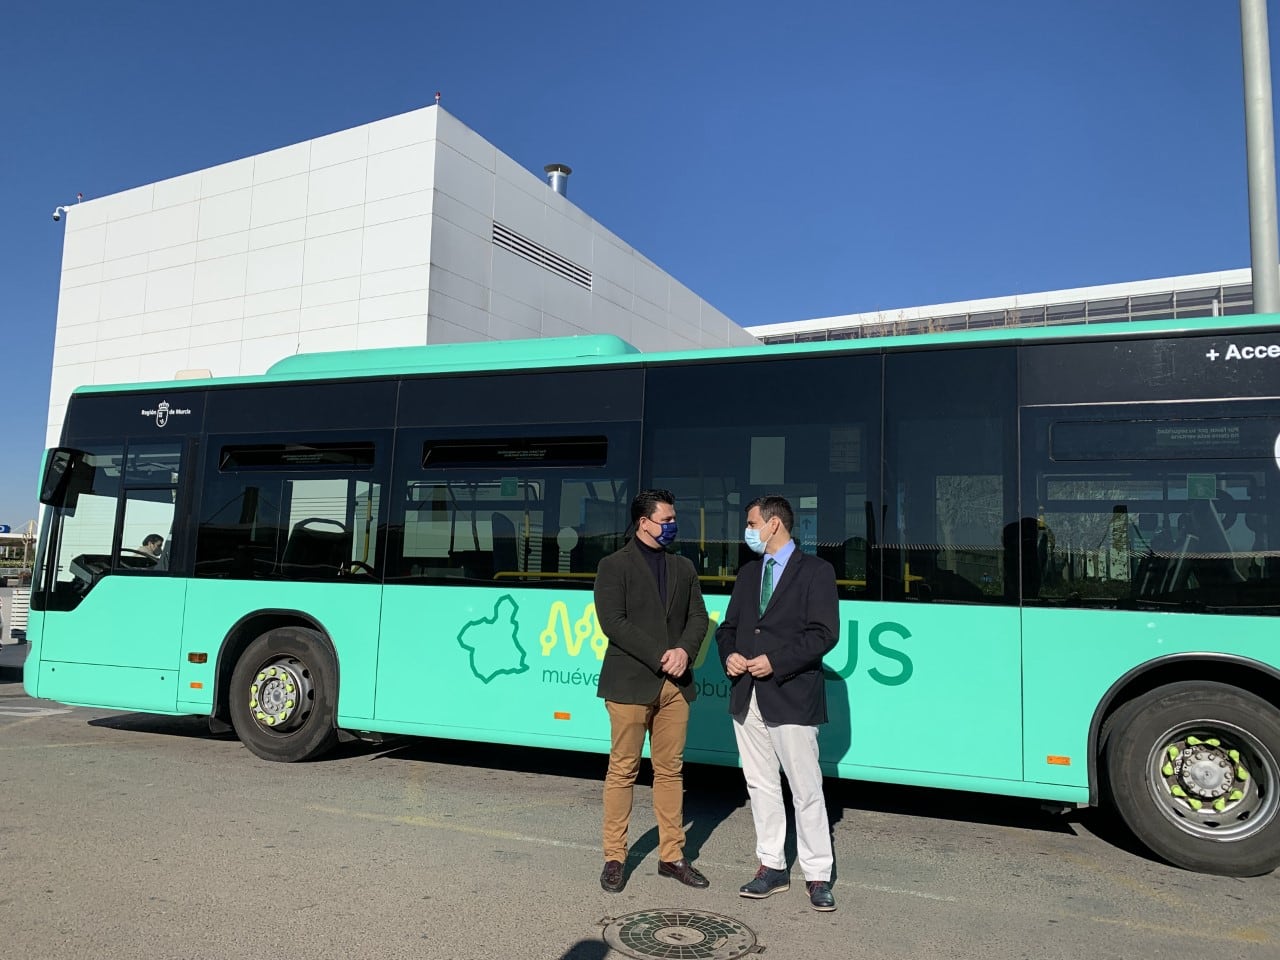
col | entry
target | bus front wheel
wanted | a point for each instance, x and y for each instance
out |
(284, 692)
(1194, 771)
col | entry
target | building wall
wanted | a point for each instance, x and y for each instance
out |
(481, 290)
(371, 237)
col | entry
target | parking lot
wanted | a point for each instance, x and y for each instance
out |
(126, 835)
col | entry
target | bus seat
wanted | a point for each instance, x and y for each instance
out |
(313, 552)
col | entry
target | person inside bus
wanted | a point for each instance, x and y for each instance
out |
(153, 546)
(649, 605)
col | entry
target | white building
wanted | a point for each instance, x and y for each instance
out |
(406, 231)
(1224, 293)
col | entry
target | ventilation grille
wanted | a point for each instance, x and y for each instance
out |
(508, 239)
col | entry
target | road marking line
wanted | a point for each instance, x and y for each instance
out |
(1250, 935)
(1189, 909)
(1243, 935)
(53, 746)
(491, 833)
(457, 827)
(909, 893)
(31, 712)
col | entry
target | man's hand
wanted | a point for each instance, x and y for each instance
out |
(674, 662)
(735, 665)
(759, 667)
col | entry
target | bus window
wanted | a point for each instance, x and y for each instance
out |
(151, 478)
(293, 510)
(474, 529)
(331, 529)
(148, 531)
(804, 428)
(1141, 510)
(85, 543)
(82, 530)
(540, 508)
(950, 462)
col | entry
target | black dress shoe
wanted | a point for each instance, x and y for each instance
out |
(820, 897)
(612, 877)
(683, 871)
(765, 883)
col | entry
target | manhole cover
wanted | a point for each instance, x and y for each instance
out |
(679, 935)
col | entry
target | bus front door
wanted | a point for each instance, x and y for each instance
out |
(111, 616)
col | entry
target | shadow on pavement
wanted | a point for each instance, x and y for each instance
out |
(196, 728)
(1106, 826)
(711, 793)
(586, 950)
(846, 795)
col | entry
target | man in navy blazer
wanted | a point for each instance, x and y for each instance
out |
(783, 617)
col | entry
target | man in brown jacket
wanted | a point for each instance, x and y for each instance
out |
(650, 607)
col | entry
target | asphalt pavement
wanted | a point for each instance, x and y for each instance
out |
(127, 835)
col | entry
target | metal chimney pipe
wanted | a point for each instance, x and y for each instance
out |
(558, 177)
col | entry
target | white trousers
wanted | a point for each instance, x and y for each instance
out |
(764, 747)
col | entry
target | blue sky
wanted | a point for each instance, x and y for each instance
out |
(784, 162)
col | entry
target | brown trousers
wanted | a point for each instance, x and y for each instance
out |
(666, 720)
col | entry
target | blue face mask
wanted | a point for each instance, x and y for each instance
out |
(751, 537)
(668, 535)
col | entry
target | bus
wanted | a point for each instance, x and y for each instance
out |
(1057, 551)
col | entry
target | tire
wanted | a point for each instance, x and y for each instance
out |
(1193, 770)
(284, 693)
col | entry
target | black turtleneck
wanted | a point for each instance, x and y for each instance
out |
(656, 557)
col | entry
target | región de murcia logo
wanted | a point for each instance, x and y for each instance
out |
(162, 412)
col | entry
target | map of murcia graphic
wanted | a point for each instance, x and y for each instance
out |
(494, 642)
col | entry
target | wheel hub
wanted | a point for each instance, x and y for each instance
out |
(280, 694)
(1204, 775)
(1207, 773)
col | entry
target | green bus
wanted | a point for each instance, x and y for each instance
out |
(1058, 552)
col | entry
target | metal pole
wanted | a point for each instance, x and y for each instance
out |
(1260, 149)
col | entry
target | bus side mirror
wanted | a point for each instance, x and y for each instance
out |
(63, 475)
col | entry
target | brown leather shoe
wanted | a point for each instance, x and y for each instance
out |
(612, 877)
(683, 871)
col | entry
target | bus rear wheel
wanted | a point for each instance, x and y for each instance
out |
(284, 692)
(1193, 769)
